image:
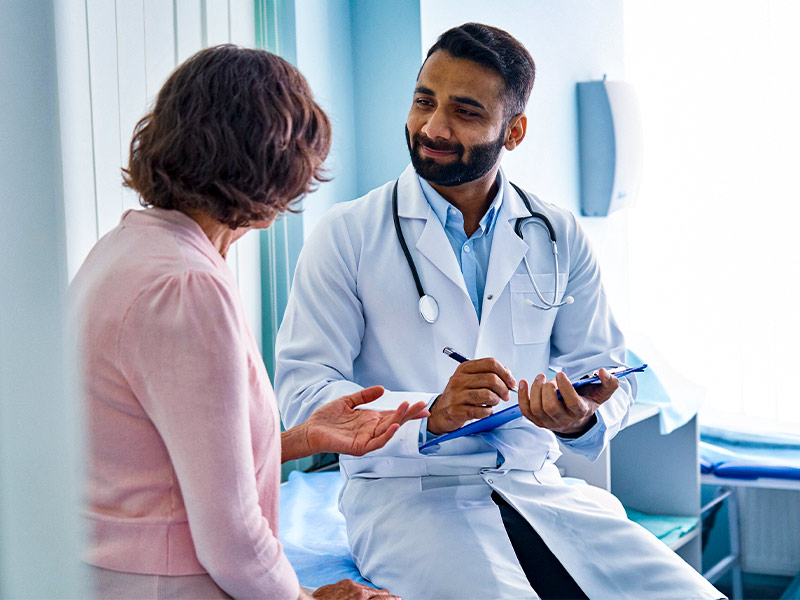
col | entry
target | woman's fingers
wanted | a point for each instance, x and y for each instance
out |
(416, 411)
(391, 417)
(364, 396)
(381, 440)
(400, 416)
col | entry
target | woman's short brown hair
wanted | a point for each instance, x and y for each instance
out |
(234, 133)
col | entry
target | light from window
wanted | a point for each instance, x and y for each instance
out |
(715, 235)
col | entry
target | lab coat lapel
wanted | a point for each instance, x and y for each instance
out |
(432, 243)
(507, 248)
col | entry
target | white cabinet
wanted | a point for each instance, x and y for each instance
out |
(650, 472)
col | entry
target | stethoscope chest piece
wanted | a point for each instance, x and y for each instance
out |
(429, 308)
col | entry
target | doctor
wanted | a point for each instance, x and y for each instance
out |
(487, 515)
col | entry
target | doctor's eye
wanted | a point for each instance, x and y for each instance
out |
(466, 113)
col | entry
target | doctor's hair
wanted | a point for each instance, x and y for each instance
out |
(235, 133)
(496, 50)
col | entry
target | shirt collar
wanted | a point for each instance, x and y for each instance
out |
(440, 206)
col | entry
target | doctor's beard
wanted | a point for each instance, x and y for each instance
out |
(482, 158)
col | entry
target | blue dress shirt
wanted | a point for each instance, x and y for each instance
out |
(473, 252)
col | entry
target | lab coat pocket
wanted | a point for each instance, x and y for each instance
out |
(532, 325)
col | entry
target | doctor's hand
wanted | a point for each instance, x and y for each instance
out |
(472, 391)
(572, 415)
(341, 427)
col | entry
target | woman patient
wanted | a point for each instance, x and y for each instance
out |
(185, 441)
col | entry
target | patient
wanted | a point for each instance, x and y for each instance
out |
(184, 435)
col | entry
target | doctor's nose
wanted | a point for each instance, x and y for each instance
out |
(437, 126)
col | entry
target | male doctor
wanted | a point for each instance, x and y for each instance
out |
(482, 516)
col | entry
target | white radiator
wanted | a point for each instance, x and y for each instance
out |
(769, 522)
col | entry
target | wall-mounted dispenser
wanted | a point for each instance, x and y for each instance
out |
(610, 139)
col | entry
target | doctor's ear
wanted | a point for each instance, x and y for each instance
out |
(515, 132)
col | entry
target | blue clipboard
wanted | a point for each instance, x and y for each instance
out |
(502, 417)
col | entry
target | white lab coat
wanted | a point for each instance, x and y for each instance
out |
(423, 525)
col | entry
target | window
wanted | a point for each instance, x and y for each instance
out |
(715, 247)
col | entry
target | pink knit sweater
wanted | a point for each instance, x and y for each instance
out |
(184, 455)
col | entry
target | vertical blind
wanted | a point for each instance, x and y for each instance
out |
(113, 57)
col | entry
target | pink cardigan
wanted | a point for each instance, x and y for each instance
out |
(184, 457)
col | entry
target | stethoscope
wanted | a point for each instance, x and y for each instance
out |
(429, 307)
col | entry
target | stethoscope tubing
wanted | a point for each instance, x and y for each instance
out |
(403, 245)
(429, 307)
(543, 221)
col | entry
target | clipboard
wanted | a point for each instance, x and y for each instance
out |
(502, 417)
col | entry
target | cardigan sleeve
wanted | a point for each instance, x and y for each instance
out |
(182, 350)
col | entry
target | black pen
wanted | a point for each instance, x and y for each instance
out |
(462, 359)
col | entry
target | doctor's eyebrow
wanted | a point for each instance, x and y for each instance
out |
(467, 100)
(421, 89)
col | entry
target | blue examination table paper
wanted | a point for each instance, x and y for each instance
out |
(312, 530)
(747, 435)
(502, 417)
(748, 461)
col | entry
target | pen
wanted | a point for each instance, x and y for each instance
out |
(462, 359)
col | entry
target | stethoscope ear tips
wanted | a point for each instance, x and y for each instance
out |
(567, 300)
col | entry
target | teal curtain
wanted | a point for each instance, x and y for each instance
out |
(281, 243)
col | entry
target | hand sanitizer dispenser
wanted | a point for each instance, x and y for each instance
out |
(610, 140)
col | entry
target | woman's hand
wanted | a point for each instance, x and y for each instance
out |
(341, 427)
(350, 590)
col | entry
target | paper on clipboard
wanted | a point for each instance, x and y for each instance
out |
(502, 417)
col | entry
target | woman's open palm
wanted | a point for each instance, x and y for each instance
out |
(341, 427)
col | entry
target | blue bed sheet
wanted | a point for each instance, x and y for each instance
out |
(312, 530)
(314, 537)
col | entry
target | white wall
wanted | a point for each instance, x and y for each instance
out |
(343, 49)
(325, 58)
(113, 57)
(570, 41)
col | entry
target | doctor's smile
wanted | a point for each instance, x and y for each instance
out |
(435, 153)
(425, 147)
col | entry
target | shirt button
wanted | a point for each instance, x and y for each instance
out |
(466, 248)
(490, 296)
